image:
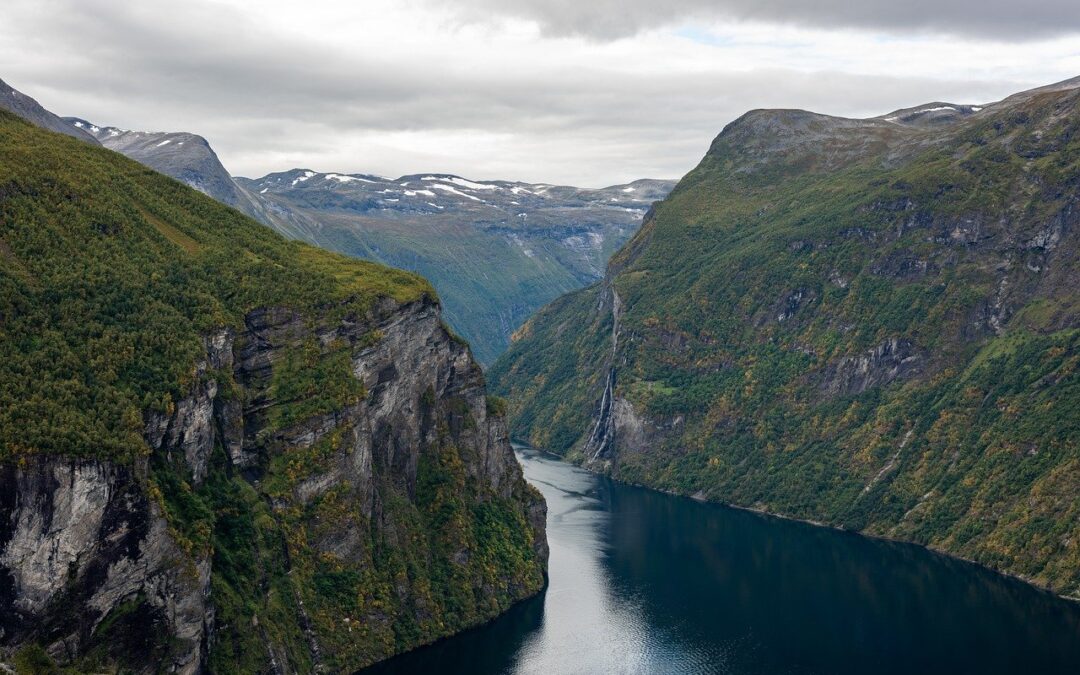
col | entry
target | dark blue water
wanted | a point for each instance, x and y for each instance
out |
(642, 582)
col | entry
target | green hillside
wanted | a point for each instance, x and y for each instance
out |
(110, 274)
(112, 279)
(872, 324)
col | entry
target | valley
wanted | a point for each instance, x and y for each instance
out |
(496, 251)
(812, 408)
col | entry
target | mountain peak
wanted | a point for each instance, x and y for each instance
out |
(185, 156)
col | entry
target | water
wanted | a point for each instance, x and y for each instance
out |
(642, 582)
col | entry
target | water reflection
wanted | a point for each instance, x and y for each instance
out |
(642, 582)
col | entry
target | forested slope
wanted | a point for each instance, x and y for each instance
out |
(867, 323)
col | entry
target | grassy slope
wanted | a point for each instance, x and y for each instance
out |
(109, 274)
(978, 455)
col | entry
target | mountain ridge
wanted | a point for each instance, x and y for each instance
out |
(18, 103)
(492, 265)
(870, 325)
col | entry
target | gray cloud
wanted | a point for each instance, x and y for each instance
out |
(611, 19)
(272, 100)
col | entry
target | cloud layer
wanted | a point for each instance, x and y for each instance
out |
(609, 19)
(395, 87)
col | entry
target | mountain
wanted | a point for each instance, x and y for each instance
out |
(186, 157)
(871, 324)
(223, 451)
(21, 105)
(496, 251)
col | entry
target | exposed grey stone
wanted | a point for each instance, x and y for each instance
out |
(80, 539)
(894, 359)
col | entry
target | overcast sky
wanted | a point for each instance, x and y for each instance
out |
(583, 92)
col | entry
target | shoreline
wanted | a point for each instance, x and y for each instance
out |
(805, 521)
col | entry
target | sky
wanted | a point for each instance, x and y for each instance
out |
(579, 92)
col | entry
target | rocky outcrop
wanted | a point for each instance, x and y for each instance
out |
(80, 541)
(85, 543)
(892, 360)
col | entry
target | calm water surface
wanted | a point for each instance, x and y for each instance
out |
(642, 582)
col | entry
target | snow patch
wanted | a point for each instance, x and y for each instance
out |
(341, 178)
(164, 142)
(461, 182)
(301, 179)
(588, 242)
(447, 188)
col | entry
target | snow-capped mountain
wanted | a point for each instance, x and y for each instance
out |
(495, 250)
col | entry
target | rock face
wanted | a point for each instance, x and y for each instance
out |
(893, 359)
(84, 541)
(81, 544)
(870, 323)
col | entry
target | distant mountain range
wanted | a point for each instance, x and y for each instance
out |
(496, 251)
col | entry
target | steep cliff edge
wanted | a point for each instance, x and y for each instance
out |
(224, 451)
(872, 324)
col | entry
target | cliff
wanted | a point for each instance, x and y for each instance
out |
(871, 324)
(224, 451)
